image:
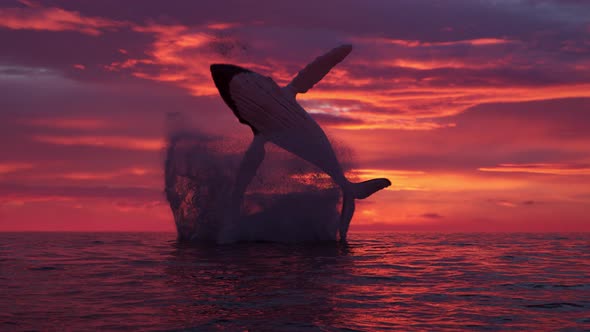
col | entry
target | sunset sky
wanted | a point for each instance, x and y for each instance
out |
(478, 111)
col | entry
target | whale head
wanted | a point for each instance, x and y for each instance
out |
(222, 75)
(237, 84)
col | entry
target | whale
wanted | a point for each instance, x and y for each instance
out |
(274, 115)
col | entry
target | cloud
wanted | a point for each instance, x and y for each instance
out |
(12, 167)
(173, 55)
(419, 43)
(69, 123)
(54, 19)
(512, 203)
(431, 216)
(428, 103)
(14, 191)
(113, 142)
(122, 174)
(505, 203)
(541, 168)
(390, 80)
(552, 134)
(336, 120)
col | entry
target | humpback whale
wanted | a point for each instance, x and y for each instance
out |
(275, 116)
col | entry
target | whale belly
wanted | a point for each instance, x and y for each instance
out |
(280, 119)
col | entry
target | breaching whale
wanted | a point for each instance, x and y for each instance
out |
(274, 116)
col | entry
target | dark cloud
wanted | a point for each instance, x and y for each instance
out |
(19, 191)
(465, 18)
(431, 215)
(227, 47)
(59, 54)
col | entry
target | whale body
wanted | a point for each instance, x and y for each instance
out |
(275, 116)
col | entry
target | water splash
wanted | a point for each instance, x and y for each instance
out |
(289, 200)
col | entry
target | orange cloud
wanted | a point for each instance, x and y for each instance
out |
(177, 48)
(400, 179)
(114, 142)
(418, 43)
(403, 103)
(22, 200)
(137, 171)
(415, 102)
(392, 123)
(555, 169)
(54, 19)
(222, 26)
(437, 181)
(441, 63)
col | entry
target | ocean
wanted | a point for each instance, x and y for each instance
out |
(378, 281)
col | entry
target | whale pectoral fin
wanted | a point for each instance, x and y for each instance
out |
(316, 70)
(246, 172)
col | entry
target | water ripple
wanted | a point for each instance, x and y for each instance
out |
(376, 282)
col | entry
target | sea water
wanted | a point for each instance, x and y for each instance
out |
(378, 281)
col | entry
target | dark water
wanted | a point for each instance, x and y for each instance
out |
(83, 281)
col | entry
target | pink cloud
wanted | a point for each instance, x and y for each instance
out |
(181, 55)
(69, 123)
(11, 167)
(113, 142)
(54, 19)
(540, 168)
(419, 43)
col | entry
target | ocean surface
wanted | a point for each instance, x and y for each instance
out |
(149, 281)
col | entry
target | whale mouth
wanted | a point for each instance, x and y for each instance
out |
(222, 75)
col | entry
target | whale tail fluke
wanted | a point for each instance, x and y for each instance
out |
(365, 189)
(354, 191)
(346, 214)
